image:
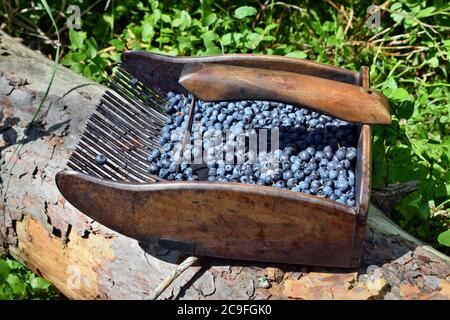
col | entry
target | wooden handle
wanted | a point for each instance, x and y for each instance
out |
(215, 82)
(162, 71)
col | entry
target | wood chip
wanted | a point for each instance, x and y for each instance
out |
(320, 286)
(410, 292)
(274, 274)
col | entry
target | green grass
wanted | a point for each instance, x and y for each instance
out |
(17, 282)
(408, 55)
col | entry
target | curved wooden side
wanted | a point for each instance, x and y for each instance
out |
(162, 71)
(225, 220)
(363, 172)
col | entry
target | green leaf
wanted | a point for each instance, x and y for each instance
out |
(396, 6)
(4, 270)
(444, 238)
(147, 32)
(116, 57)
(270, 27)
(433, 62)
(14, 265)
(425, 12)
(39, 283)
(166, 18)
(226, 39)
(397, 17)
(209, 19)
(76, 38)
(17, 285)
(244, 11)
(91, 48)
(208, 38)
(109, 20)
(183, 21)
(297, 54)
(118, 44)
(6, 292)
(252, 40)
(400, 94)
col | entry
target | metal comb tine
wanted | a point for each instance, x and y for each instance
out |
(119, 149)
(82, 159)
(88, 154)
(138, 92)
(125, 126)
(121, 158)
(130, 80)
(130, 119)
(115, 163)
(122, 141)
(134, 86)
(138, 102)
(132, 116)
(118, 121)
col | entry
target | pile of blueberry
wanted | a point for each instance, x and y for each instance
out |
(316, 153)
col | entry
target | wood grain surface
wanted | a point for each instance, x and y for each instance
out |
(227, 220)
(214, 82)
(163, 71)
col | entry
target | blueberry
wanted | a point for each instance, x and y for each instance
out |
(290, 183)
(332, 174)
(351, 153)
(167, 147)
(341, 154)
(304, 155)
(303, 185)
(172, 167)
(280, 185)
(327, 190)
(221, 171)
(313, 123)
(155, 153)
(288, 175)
(101, 159)
(342, 185)
(313, 190)
(286, 166)
(311, 151)
(346, 164)
(153, 168)
(188, 171)
(163, 173)
(299, 175)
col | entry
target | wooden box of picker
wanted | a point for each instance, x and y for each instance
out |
(219, 219)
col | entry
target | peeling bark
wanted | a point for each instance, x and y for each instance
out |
(85, 260)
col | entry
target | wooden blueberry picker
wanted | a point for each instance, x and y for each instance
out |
(303, 202)
(259, 229)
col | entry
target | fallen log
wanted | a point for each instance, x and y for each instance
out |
(85, 260)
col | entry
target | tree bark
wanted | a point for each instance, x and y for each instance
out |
(85, 260)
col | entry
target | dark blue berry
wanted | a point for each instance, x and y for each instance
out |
(101, 159)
